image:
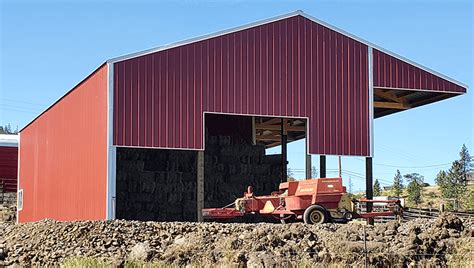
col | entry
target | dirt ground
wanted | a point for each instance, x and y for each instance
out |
(438, 242)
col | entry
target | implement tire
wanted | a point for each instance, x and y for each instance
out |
(315, 215)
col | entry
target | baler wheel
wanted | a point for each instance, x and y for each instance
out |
(315, 215)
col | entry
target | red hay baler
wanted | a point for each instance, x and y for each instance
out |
(313, 201)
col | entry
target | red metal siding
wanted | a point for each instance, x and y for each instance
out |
(394, 73)
(63, 156)
(292, 67)
(9, 168)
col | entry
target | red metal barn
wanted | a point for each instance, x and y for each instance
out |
(313, 78)
(8, 162)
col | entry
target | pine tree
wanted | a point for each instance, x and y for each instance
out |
(314, 172)
(398, 184)
(7, 129)
(453, 184)
(444, 183)
(377, 190)
(466, 162)
(458, 183)
(414, 187)
(350, 184)
(289, 175)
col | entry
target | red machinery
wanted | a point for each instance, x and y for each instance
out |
(313, 201)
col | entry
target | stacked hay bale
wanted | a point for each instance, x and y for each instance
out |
(160, 185)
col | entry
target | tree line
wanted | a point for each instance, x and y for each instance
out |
(452, 183)
(7, 129)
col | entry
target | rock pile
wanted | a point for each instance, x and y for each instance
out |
(420, 242)
(7, 213)
(7, 207)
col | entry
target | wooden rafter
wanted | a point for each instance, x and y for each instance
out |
(269, 137)
(273, 144)
(390, 105)
(389, 95)
(408, 95)
(271, 121)
(277, 127)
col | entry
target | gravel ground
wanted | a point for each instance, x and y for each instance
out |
(433, 242)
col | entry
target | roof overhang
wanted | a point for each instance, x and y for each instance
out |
(392, 100)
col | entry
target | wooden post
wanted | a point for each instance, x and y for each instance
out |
(322, 166)
(369, 193)
(200, 185)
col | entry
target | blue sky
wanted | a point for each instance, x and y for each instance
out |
(46, 47)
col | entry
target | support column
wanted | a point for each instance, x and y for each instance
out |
(369, 193)
(322, 166)
(308, 160)
(284, 161)
(254, 132)
(309, 174)
(200, 185)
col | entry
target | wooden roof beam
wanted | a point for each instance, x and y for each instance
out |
(271, 121)
(273, 144)
(277, 127)
(389, 95)
(391, 105)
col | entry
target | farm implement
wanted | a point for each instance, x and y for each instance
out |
(312, 201)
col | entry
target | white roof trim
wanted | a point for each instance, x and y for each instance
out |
(9, 140)
(204, 37)
(277, 18)
(386, 51)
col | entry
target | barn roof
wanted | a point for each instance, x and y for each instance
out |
(398, 96)
(389, 97)
(277, 18)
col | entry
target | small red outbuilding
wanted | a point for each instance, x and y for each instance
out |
(8, 162)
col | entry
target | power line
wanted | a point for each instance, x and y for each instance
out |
(421, 167)
(25, 102)
(398, 152)
(20, 107)
(16, 110)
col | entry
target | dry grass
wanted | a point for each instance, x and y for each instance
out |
(89, 262)
(431, 197)
(463, 255)
(86, 262)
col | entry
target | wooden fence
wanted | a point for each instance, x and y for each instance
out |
(423, 213)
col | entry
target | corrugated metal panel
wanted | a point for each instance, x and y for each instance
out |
(391, 72)
(9, 168)
(292, 67)
(63, 156)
